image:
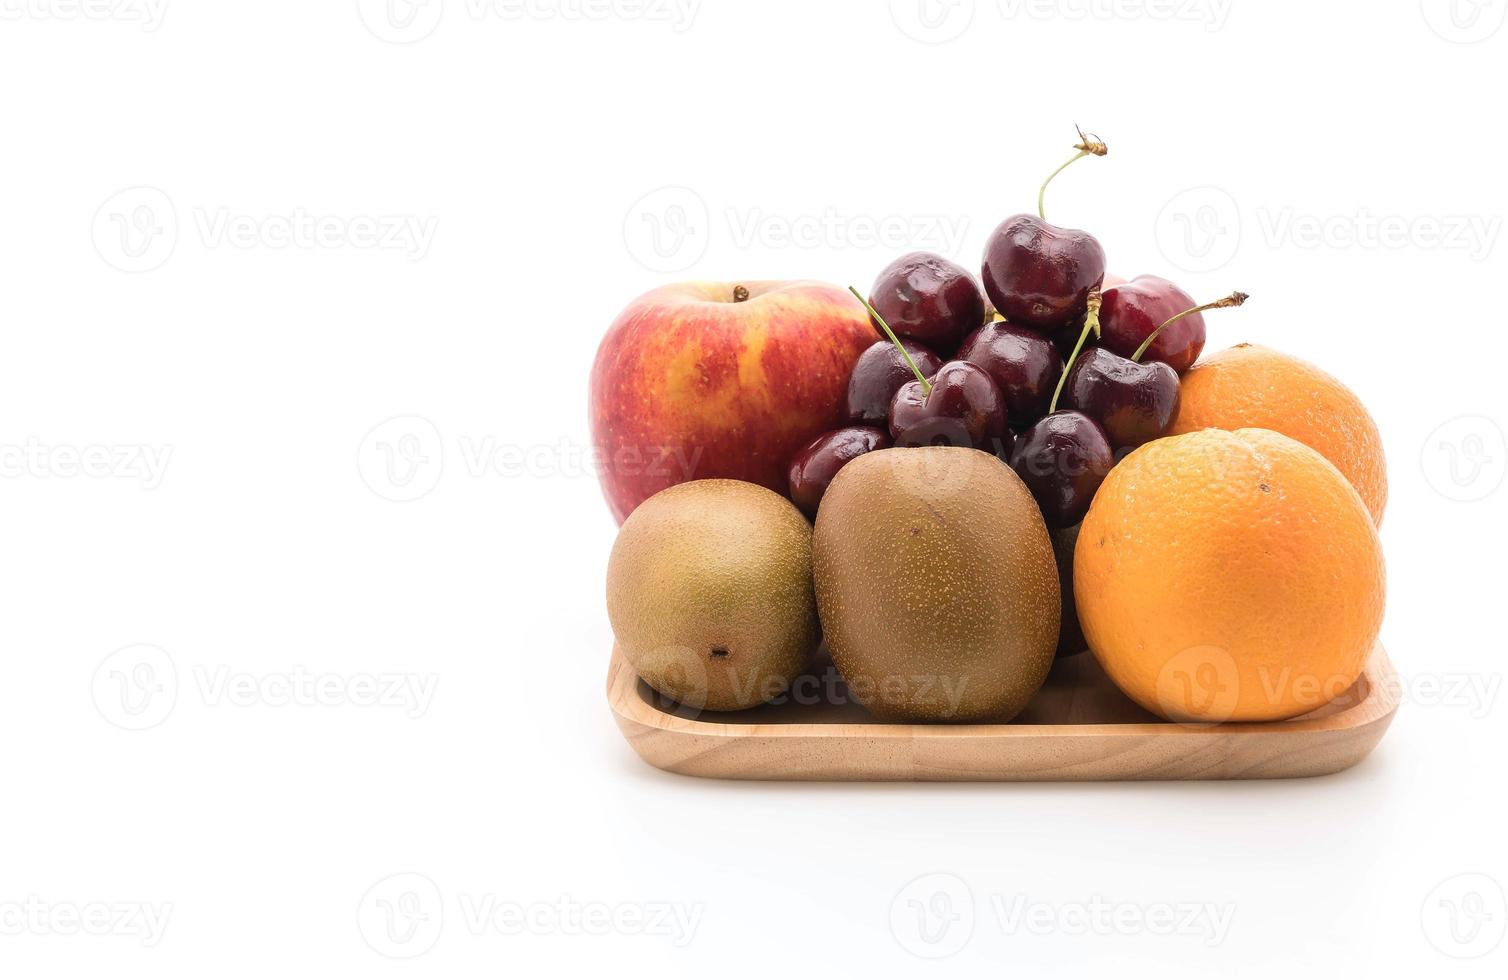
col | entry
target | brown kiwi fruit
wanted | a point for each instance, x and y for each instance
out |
(936, 584)
(709, 590)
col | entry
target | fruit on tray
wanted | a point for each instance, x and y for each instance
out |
(1025, 364)
(1229, 576)
(878, 375)
(709, 590)
(936, 585)
(1038, 275)
(711, 379)
(1070, 633)
(1253, 386)
(1189, 520)
(929, 299)
(813, 468)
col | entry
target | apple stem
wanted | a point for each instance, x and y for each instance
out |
(740, 293)
(1091, 323)
(1234, 299)
(1086, 147)
(926, 385)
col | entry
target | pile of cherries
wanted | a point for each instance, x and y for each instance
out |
(1025, 387)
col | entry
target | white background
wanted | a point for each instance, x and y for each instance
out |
(1253, 146)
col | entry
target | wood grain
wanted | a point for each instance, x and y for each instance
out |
(1079, 727)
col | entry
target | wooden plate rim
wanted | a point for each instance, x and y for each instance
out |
(1380, 701)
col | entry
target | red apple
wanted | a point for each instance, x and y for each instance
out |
(720, 379)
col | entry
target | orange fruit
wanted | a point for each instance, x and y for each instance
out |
(1250, 386)
(1229, 576)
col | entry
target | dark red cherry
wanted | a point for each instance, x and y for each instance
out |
(1131, 311)
(878, 374)
(929, 299)
(1039, 275)
(1133, 402)
(1023, 363)
(963, 408)
(1063, 460)
(1173, 325)
(814, 467)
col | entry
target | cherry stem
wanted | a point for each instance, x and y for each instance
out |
(1234, 299)
(1086, 147)
(926, 385)
(1091, 323)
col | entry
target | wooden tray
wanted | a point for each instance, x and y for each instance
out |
(1078, 727)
